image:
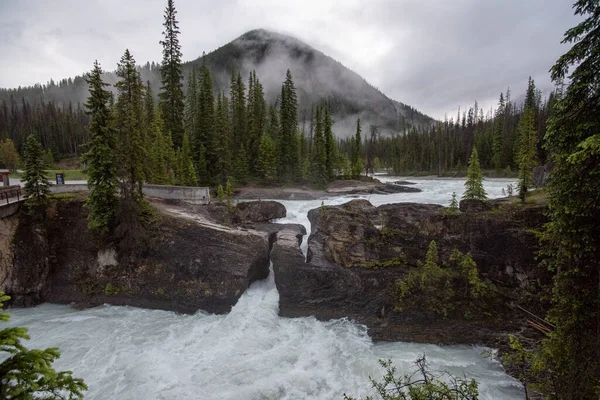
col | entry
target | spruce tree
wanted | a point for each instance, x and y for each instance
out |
(148, 105)
(190, 112)
(526, 151)
(288, 144)
(186, 172)
(37, 186)
(355, 156)
(498, 141)
(257, 109)
(171, 95)
(240, 168)
(267, 158)
(474, 183)
(158, 157)
(129, 125)
(100, 161)
(28, 374)
(206, 135)
(222, 135)
(319, 152)
(569, 359)
(330, 145)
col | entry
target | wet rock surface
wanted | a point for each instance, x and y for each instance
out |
(357, 252)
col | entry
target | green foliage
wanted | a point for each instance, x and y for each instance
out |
(129, 119)
(267, 158)
(421, 385)
(438, 289)
(474, 182)
(100, 161)
(288, 120)
(113, 290)
(9, 157)
(171, 94)
(391, 263)
(520, 360)
(428, 288)
(572, 238)
(453, 207)
(37, 186)
(355, 155)
(240, 167)
(28, 374)
(186, 172)
(526, 156)
(220, 193)
(228, 196)
(319, 173)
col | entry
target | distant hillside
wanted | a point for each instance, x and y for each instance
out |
(317, 77)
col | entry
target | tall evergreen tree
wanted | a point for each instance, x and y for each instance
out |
(171, 95)
(186, 174)
(570, 355)
(37, 186)
(206, 137)
(474, 183)
(319, 152)
(100, 162)
(330, 146)
(526, 151)
(355, 156)
(267, 158)
(148, 105)
(190, 112)
(498, 143)
(222, 134)
(237, 105)
(257, 109)
(129, 125)
(288, 143)
(240, 167)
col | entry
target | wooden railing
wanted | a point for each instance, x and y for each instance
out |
(9, 192)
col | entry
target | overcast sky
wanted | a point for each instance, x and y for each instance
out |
(435, 55)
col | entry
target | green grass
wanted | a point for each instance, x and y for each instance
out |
(70, 174)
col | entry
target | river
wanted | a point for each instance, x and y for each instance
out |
(251, 353)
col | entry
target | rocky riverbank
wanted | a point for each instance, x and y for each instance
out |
(205, 257)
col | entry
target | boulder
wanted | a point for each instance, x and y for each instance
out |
(258, 211)
(395, 188)
(474, 205)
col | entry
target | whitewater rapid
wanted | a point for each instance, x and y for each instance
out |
(250, 353)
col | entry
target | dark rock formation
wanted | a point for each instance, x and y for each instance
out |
(258, 211)
(473, 205)
(185, 266)
(540, 175)
(352, 266)
(395, 188)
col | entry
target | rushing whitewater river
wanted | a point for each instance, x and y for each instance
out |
(251, 353)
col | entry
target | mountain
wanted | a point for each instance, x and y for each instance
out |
(317, 77)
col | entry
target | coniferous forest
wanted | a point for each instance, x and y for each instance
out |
(185, 129)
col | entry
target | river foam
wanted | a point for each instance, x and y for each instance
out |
(250, 353)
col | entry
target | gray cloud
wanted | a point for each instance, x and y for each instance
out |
(433, 55)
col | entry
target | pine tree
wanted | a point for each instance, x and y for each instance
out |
(240, 168)
(148, 105)
(222, 136)
(100, 161)
(474, 183)
(237, 105)
(453, 207)
(28, 374)
(190, 112)
(159, 159)
(267, 158)
(206, 137)
(319, 152)
(498, 143)
(37, 186)
(355, 156)
(569, 359)
(330, 146)
(527, 151)
(171, 95)
(257, 109)
(129, 125)
(288, 144)
(186, 172)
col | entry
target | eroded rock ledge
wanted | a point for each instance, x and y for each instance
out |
(356, 252)
(190, 263)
